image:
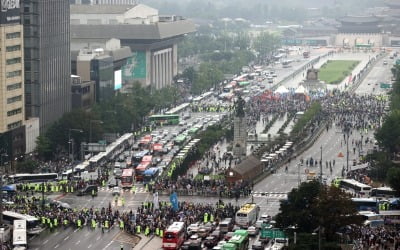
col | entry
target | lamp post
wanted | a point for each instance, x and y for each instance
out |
(90, 128)
(71, 144)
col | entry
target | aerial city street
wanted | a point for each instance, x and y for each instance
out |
(124, 126)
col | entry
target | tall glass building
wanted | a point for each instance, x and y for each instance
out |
(47, 59)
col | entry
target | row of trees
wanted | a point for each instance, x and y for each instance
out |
(312, 207)
(385, 163)
(122, 113)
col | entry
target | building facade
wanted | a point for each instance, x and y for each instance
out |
(12, 112)
(47, 59)
(152, 39)
(83, 93)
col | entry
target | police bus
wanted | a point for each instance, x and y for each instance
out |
(247, 215)
(383, 192)
(27, 178)
(32, 223)
(355, 188)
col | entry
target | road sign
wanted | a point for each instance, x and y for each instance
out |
(340, 154)
(385, 85)
(272, 234)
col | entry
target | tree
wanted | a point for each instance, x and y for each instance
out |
(313, 205)
(43, 147)
(334, 210)
(265, 44)
(27, 166)
(393, 177)
(388, 136)
(298, 209)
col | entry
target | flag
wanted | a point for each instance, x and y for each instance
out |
(155, 200)
(173, 198)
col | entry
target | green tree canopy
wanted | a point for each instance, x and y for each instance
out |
(313, 205)
(388, 136)
(393, 177)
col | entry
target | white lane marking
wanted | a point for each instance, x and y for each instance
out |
(45, 242)
(77, 242)
(66, 238)
(108, 245)
(56, 245)
(76, 230)
(56, 233)
(89, 246)
(98, 238)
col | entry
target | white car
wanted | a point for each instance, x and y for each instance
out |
(193, 228)
(116, 191)
(253, 231)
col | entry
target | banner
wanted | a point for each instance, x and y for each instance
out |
(173, 198)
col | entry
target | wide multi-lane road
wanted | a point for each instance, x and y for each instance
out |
(280, 182)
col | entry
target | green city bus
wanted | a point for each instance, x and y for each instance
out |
(180, 139)
(241, 242)
(165, 119)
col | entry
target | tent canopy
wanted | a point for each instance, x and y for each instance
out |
(300, 90)
(281, 90)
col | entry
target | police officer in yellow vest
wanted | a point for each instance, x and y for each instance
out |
(121, 224)
(205, 217)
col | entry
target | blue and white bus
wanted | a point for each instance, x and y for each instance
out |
(150, 175)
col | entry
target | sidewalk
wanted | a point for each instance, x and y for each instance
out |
(152, 242)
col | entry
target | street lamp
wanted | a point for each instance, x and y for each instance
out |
(90, 128)
(71, 144)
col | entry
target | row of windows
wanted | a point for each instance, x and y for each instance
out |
(13, 48)
(13, 60)
(14, 125)
(14, 112)
(14, 99)
(13, 35)
(14, 86)
(14, 73)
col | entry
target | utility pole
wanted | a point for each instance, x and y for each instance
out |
(298, 175)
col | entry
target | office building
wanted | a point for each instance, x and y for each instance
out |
(47, 59)
(153, 39)
(12, 130)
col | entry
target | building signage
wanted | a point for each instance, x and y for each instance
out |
(10, 11)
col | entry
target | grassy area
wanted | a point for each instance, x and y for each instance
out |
(334, 72)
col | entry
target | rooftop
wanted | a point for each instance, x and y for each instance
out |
(155, 31)
(99, 9)
(359, 19)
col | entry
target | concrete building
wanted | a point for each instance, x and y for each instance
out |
(12, 111)
(31, 134)
(47, 59)
(152, 39)
(83, 93)
(103, 64)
